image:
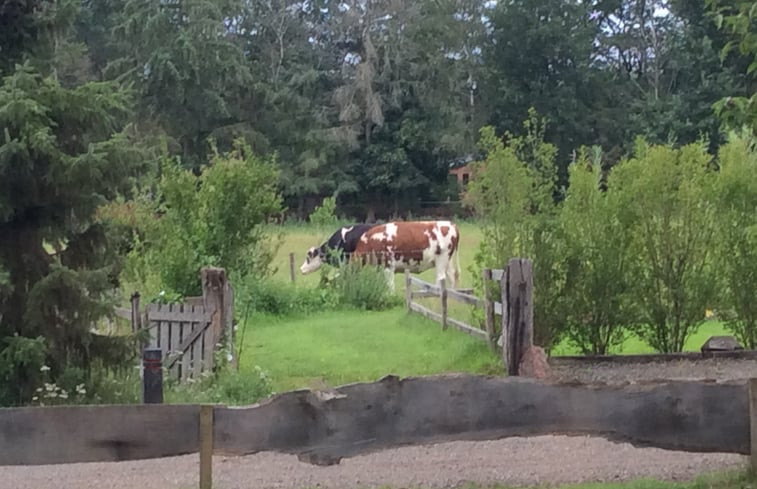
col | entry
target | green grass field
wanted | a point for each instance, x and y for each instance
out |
(353, 346)
(338, 347)
(725, 480)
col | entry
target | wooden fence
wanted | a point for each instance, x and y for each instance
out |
(189, 333)
(515, 308)
(361, 418)
(417, 288)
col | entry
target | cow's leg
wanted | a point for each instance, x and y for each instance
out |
(453, 271)
(389, 275)
(440, 266)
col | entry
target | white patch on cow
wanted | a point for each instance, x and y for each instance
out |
(345, 231)
(312, 261)
(378, 237)
(364, 238)
(391, 231)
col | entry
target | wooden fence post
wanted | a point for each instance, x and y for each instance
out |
(291, 267)
(218, 301)
(408, 290)
(489, 309)
(443, 295)
(517, 311)
(152, 376)
(752, 392)
(206, 447)
(136, 318)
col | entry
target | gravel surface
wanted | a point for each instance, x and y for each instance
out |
(616, 373)
(512, 461)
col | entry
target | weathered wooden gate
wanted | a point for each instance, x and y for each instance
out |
(189, 333)
(184, 335)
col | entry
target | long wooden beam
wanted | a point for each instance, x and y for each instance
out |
(323, 427)
(688, 416)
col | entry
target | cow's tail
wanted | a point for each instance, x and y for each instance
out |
(457, 266)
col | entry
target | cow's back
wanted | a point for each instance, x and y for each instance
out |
(410, 239)
(352, 237)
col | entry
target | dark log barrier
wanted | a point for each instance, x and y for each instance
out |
(687, 416)
(323, 427)
(72, 434)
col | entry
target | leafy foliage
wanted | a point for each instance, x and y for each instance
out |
(739, 19)
(512, 192)
(215, 219)
(674, 238)
(735, 197)
(363, 287)
(63, 155)
(283, 299)
(324, 215)
(227, 386)
(597, 229)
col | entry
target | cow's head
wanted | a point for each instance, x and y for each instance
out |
(313, 261)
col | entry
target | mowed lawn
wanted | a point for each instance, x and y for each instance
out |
(338, 347)
(335, 348)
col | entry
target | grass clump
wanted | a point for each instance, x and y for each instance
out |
(363, 287)
(227, 386)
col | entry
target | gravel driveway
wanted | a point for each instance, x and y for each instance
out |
(514, 461)
(511, 461)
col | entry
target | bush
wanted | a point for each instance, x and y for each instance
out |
(665, 191)
(324, 215)
(22, 362)
(363, 287)
(736, 199)
(283, 299)
(225, 387)
(215, 219)
(512, 192)
(597, 233)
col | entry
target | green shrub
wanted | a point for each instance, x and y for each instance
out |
(363, 287)
(282, 298)
(22, 367)
(324, 215)
(512, 193)
(597, 232)
(736, 251)
(664, 189)
(218, 218)
(225, 387)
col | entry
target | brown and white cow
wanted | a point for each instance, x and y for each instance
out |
(413, 245)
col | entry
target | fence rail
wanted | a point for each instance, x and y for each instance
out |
(515, 289)
(444, 294)
(694, 416)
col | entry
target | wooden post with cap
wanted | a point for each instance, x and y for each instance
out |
(206, 446)
(152, 377)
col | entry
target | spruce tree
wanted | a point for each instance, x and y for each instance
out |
(62, 155)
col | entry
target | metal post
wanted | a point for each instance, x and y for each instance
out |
(152, 380)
